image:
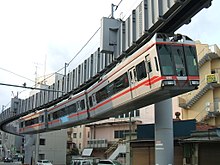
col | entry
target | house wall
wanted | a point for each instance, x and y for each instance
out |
(55, 146)
(207, 102)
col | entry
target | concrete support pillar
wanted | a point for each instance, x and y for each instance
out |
(164, 146)
(28, 149)
(6, 154)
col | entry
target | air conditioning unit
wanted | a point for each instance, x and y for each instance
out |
(207, 104)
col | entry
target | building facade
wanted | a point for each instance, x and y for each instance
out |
(203, 104)
(51, 146)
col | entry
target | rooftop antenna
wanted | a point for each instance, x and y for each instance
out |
(113, 10)
(45, 63)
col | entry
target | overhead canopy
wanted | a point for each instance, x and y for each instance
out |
(87, 152)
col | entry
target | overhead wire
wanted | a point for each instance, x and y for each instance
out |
(82, 46)
(66, 64)
(16, 74)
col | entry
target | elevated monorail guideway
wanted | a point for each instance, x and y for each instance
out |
(157, 66)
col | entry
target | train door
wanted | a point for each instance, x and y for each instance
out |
(149, 69)
(133, 81)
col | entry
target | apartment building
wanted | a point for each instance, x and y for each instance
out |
(103, 137)
(203, 104)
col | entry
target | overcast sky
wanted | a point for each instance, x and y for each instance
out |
(38, 32)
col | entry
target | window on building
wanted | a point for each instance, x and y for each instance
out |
(74, 135)
(42, 141)
(41, 156)
(137, 113)
(88, 134)
(120, 133)
(80, 135)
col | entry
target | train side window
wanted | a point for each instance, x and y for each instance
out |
(101, 95)
(110, 89)
(149, 68)
(55, 115)
(78, 106)
(156, 63)
(22, 124)
(72, 108)
(131, 75)
(165, 59)
(68, 110)
(42, 118)
(94, 98)
(141, 71)
(135, 74)
(121, 83)
(49, 118)
(90, 101)
(82, 104)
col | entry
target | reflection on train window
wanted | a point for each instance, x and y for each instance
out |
(110, 89)
(166, 60)
(90, 101)
(191, 60)
(49, 117)
(31, 121)
(141, 71)
(102, 94)
(116, 86)
(78, 106)
(72, 108)
(22, 124)
(131, 75)
(82, 104)
(179, 61)
(121, 83)
(67, 110)
(42, 118)
(94, 98)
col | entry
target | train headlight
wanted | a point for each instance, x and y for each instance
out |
(168, 83)
(194, 82)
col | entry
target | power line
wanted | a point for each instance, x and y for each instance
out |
(16, 74)
(68, 62)
(82, 47)
(24, 86)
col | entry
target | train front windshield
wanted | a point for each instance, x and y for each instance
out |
(177, 60)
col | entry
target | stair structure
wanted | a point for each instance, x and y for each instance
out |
(113, 148)
(213, 53)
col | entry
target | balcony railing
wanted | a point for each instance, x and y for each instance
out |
(208, 53)
(97, 143)
(209, 82)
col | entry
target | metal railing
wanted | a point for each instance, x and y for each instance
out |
(210, 110)
(97, 143)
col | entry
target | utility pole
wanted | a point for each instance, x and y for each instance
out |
(65, 77)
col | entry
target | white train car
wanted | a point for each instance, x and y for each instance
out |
(34, 122)
(68, 112)
(164, 67)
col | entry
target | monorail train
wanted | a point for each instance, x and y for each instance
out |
(164, 67)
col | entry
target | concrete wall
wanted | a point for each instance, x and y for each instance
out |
(55, 146)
